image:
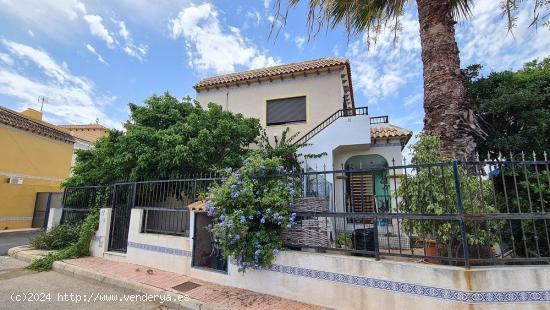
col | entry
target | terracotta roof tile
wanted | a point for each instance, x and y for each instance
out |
(390, 131)
(17, 120)
(272, 71)
(86, 126)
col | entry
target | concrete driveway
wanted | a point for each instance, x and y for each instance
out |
(12, 239)
(25, 289)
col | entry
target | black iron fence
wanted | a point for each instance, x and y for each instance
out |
(165, 203)
(460, 213)
(77, 202)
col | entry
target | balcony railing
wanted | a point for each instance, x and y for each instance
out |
(379, 120)
(331, 119)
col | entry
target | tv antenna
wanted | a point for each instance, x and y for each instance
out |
(42, 100)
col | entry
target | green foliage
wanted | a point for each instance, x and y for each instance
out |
(78, 249)
(513, 108)
(57, 238)
(285, 148)
(250, 208)
(167, 137)
(344, 241)
(431, 190)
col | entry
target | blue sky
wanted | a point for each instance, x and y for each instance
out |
(90, 58)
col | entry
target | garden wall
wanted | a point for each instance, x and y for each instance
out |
(346, 282)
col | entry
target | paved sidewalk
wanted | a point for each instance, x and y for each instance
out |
(201, 294)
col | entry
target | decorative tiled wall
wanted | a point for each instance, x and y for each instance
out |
(475, 297)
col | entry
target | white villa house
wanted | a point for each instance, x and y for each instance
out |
(315, 98)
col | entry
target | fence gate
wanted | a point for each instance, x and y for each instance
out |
(123, 196)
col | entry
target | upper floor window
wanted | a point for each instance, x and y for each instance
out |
(286, 110)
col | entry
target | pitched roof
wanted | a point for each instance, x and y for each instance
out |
(280, 71)
(272, 71)
(87, 126)
(390, 131)
(17, 120)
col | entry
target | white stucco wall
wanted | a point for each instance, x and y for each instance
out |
(349, 282)
(324, 96)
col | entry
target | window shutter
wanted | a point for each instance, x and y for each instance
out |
(287, 110)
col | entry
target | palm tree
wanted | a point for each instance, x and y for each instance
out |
(448, 114)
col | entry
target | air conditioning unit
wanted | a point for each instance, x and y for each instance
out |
(16, 180)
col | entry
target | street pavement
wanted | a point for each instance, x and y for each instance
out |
(24, 289)
(12, 239)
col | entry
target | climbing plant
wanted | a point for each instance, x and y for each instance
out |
(250, 208)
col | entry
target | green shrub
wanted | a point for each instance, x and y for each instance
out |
(431, 190)
(57, 238)
(78, 249)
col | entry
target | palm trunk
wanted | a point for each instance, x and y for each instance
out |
(448, 114)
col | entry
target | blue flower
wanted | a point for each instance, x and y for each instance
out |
(235, 195)
(237, 237)
(262, 220)
(243, 219)
(234, 187)
(250, 217)
(268, 210)
(257, 253)
(222, 217)
(275, 251)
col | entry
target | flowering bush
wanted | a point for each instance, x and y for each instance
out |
(250, 207)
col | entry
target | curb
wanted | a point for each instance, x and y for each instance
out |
(62, 267)
(7, 231)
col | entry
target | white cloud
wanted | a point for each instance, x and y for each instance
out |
(123, 31)
(266, 4)
(254, 16)
(51, 17)
(414, 99)
(381, 69)
(92, 50)
(299, 41)
(30, 33)
(286, 35)
(128, 45)
(212, 47)
(72, 99)
(5, 58)
(484, 38)
(95, 22)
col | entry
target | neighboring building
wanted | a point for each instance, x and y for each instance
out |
(85, 136)
(316, 99)
(35, 157)
(90, 132)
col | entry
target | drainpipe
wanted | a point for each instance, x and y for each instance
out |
(227, 101)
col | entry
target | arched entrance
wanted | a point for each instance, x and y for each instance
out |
(367, 190)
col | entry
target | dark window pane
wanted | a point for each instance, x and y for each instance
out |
(287, 110)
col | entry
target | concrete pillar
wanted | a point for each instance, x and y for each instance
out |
(100, 241)
(54, 218)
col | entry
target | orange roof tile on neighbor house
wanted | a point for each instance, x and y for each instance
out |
(90, 132)
(34, 125)
(267, 72)
(390, 131)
